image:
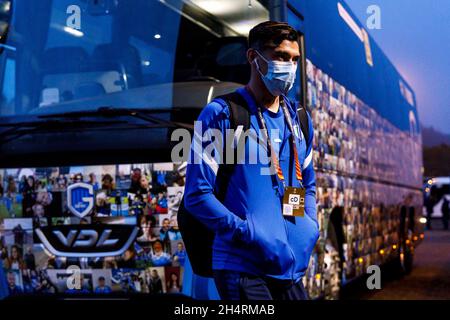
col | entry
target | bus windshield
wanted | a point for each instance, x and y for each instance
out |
(82, 54)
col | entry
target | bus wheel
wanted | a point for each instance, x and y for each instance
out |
(408, 258)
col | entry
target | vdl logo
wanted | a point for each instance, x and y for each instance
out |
(84, 240)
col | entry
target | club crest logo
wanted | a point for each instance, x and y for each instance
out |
(86, 240)
(80, 199)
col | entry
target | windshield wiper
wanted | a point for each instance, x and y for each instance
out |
(63, 122)
(142, 114)
(18, 129)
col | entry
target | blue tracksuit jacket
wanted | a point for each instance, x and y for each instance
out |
(252, 235)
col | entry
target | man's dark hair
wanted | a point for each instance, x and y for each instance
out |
(270, 34)
(158, 241)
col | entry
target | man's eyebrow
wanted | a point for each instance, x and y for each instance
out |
(285, 55)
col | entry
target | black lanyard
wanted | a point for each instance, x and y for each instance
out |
(270, 151)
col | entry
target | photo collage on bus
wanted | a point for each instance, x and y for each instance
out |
(144, 195)
(353, 145)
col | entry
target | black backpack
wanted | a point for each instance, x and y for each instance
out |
(197, 238)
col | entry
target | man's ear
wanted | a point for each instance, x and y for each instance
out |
(251, 55)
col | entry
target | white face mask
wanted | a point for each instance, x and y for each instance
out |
(280, 76)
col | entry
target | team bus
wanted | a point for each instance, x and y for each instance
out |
(91, 92)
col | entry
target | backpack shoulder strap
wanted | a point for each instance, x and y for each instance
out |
(304, 122)
(239, 110)
(239, 116)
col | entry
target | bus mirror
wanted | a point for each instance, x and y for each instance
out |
(5, 18)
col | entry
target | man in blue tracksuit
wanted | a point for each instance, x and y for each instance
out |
(263, 241)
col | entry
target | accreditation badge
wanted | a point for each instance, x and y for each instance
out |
(294, 202)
